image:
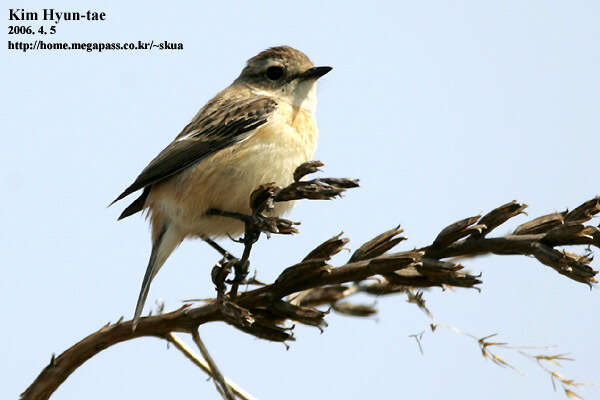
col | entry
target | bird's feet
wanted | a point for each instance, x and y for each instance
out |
(222, 270)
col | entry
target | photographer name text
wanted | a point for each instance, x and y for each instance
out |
(52, 15)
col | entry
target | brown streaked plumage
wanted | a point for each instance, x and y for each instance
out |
(257, 130)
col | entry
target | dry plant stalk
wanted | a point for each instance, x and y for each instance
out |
(371, 269)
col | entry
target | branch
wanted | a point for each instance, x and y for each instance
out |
(371, 269)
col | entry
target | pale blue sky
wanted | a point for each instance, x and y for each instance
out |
(442, 109)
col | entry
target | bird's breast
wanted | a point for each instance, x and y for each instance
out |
(226, 179)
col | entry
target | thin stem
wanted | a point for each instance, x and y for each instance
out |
(242, 268)
(201, 362)
(218, 377)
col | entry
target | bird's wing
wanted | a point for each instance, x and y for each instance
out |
(219, 124)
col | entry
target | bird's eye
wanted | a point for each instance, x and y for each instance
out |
(274, 73)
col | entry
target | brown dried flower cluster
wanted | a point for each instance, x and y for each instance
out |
(371, 269)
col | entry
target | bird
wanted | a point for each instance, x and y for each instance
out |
(255, 131)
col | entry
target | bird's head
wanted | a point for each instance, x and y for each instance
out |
(284, 73)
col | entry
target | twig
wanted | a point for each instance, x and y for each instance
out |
(219, 379)
(485, 345)
(200, 362)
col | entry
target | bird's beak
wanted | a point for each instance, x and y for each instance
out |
(314, 73)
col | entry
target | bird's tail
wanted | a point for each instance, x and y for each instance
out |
(163, 245)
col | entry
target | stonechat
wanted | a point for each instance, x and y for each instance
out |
(257, 130)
